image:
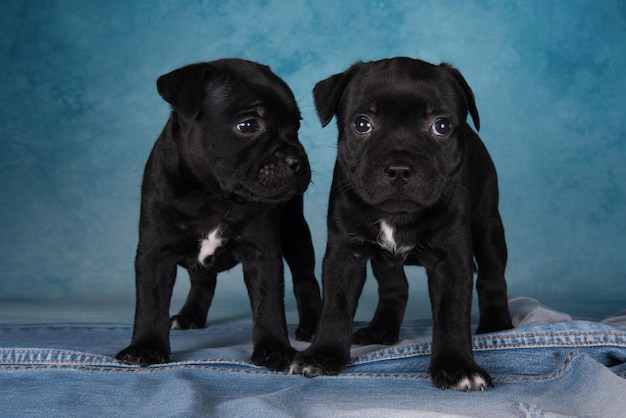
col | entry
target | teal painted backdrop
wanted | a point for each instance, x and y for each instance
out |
(79, 113)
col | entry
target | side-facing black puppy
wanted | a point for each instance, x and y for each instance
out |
(413, 184)
(223, 185)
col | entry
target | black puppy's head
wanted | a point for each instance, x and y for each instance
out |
(237, 128)
(401, 129)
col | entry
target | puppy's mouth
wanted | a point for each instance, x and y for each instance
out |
(399, 185)
(411, 197)
(398, 200)
(255, 192)
(399, 204)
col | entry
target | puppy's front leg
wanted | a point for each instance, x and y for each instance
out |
(343, 276)
(154, 281)
(393, 293)
(265, 283)
(297, 247)
(491, 254)
(194, 312)
(452, 364)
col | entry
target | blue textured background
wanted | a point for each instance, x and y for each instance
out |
(79, 113)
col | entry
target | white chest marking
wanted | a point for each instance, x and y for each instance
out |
(387, 240)
(210, 244)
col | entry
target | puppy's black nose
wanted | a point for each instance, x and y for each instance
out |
(399, 172)
(293, 162)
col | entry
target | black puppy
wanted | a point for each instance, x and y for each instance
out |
(223, 185)
(413, 184)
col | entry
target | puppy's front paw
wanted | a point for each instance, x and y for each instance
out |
(318, 362)
(141, 356)
(186, 322)
(464, 376)
(273, 356)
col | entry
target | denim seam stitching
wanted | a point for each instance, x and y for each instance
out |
(424, 349)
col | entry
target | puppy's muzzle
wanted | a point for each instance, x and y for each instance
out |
(286, 164)
(284, 170)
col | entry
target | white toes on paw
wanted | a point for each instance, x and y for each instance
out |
(473, 382)
(306, 370)
(295, 369)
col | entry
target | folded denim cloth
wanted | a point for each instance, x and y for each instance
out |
(558, 368)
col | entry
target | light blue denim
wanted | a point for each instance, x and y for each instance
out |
(571, 368)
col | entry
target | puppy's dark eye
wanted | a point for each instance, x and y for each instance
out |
(442, 127)
(363, 125)
(249, 126)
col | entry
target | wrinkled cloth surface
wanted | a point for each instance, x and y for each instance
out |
(550, 365)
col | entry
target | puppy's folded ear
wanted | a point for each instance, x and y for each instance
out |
(327, 93)
(467, 91)
(184, 88)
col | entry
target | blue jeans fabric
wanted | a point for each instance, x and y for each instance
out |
(570, 368)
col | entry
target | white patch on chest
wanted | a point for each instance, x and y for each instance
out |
(210, 244)
(387, 240)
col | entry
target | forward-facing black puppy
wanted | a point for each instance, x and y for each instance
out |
(223, 185)
(413, 184)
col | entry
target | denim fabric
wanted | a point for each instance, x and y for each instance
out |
(572, 368)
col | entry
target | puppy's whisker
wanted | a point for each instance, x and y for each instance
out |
(313, 185)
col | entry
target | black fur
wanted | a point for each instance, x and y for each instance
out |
(228, 162)
(407, 160)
